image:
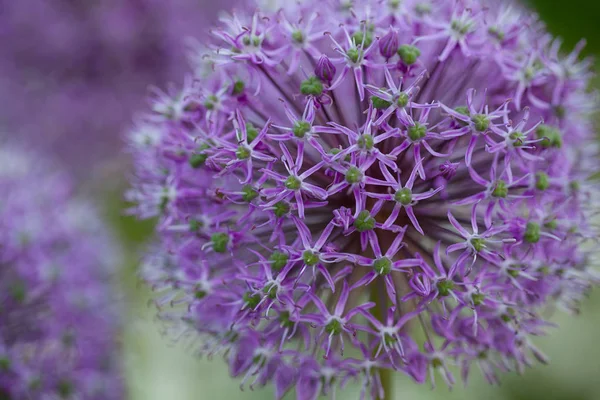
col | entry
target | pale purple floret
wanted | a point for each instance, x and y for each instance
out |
(73, 72)
(408, 178)
(59, 315)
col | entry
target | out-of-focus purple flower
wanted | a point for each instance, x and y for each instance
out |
(422, 207)
(58, 315)
(72, 73)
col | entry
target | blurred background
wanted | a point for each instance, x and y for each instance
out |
(73, 73)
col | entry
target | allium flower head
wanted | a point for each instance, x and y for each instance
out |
(58, 320)
(368, 186)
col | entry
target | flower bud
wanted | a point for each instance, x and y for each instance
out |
(389, 44)
(325, 70)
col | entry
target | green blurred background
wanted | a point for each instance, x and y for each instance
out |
(159, 370)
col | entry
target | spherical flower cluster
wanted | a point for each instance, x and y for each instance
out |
(368, 186)
(58, 319)
(73, 72)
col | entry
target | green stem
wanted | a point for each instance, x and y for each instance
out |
(379, 297)
(386, 382)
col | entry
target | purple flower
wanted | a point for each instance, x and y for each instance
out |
(59, 320)
(73, 73)
(404, 205)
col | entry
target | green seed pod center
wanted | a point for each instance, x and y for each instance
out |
(270, 290)
(310, 258)
(460, 27)
(409, 54)
(529, 73)
(417, 132)
(500, 189)
(298, 36)
(423, 8)
(354, 175)
(359, 36)
(251, 300)
(552, 224)
(514, 272)
(517, 138)
(364, 222)
(278, 260)
(195, 225)
(219, 242)
(481, 122)
(210, 102)
(259, 360)
(402, 100)
(444, 287)
(301, 128)
(403, 196)
(353, 54)
(164, 200)
(281, 208)
(510, 313)
(293, 182)
(382, 266)
(334, 327)
(242, 152)
(248, 193)
(285, 321)
(496, 33)
(198, 159)
(463, 110)
(575, 185)
(238, 87)
(551, 136)
(366, 142)
(251, 132)
(394, 4)
(252, 40)
(311, 87)
(532, 233)
(389, 339)
(478, 298)
(478, 244)
(337, 150)
(380, 103)
(542, 181)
